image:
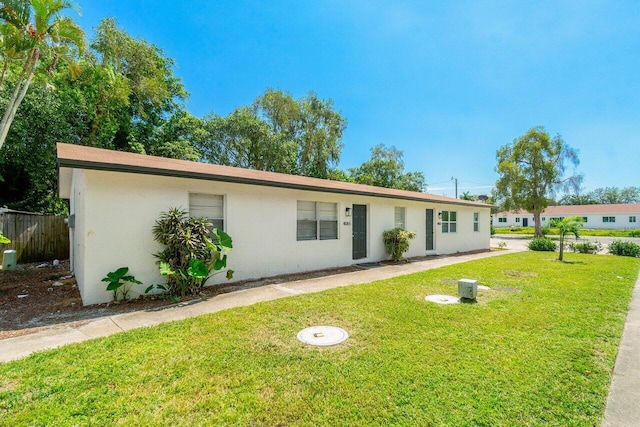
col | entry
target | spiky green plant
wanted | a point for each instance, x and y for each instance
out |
(194, 251)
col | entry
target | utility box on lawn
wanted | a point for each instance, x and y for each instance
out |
(9, 260)
(468, 289)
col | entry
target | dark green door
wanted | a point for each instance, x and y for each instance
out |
(429, 229)
(359, 231)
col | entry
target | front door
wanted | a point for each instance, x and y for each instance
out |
(429, 229)
(525, 222)
(359, 231)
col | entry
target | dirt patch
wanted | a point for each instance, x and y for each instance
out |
(33, 298)
(516, 273)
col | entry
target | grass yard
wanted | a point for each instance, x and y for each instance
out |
(583, 232)
(537, 349)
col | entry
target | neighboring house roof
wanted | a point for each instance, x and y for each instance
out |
(583, 210)
(79, 157)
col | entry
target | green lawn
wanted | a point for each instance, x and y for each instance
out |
(583, 232)
(538, 349)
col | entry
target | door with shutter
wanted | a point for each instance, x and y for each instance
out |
(429, 229)
(359, 231)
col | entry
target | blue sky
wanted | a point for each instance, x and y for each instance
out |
(446, 82)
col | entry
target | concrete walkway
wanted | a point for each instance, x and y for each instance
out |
(623, 403)
(61, 334)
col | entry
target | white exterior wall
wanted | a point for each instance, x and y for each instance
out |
(115, 213)
(511, 220)
(622, 221)
(593, 220)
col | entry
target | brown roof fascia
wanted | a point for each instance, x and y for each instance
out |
(80, 157)
(582, 209)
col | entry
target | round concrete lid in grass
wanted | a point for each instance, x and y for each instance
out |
(442, 299)
(323, 336)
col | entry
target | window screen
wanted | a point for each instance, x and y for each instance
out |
(209, 206)
(399, 218)
(317, 220)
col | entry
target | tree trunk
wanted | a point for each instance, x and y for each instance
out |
(536, 221)
(5, 65)
(22, 85)
(560, 257)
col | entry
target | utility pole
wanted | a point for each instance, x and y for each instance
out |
(456, 181)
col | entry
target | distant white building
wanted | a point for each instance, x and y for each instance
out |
(619, 216)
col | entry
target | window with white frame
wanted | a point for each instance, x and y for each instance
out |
(476, 221)
(502, 219)
(608, 219)
(209, 206)
(517, 219)
(399, 217)
(585, 219)
(632, 218)
(449, 224)
(317, 221)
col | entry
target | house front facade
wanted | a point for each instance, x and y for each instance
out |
(613, 216)
(279, 223)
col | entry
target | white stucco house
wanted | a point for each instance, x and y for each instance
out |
(618, 216)
(279, 223)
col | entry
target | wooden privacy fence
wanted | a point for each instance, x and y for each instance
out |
(35, 237)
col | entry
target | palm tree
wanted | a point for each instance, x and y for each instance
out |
(571, 225)
(467, 196)
(31, 29)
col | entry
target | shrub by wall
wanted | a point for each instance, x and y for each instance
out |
(396, 242)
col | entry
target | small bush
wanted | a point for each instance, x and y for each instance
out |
(396, 242)
(586, 247)
(634, 233)
(542, 244)
(119, 282)
(622, 248)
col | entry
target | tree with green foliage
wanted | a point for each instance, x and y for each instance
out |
(277, 133)
(614, 195)
(242, 139)
(605, 195)
(35, 36)
(28, 172)
(90, 103)
(577, 199)
(178, 136)
(339, 175)
(565, 226)
(531, 169)
(320, 139)
(310, 124)
(154, 91)
(386, 169)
